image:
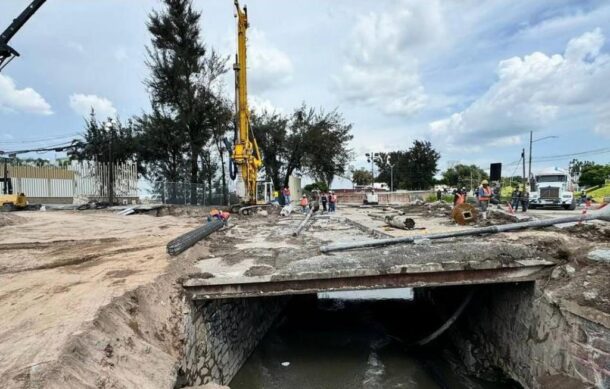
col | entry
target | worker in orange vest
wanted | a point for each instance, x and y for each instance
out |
(304, 203)
(485, 194)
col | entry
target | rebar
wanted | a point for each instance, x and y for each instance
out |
(602, 214)
(183, 242)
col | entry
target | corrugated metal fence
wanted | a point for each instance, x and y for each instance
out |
(87, 179)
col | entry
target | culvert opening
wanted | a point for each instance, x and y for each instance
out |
(363, 340)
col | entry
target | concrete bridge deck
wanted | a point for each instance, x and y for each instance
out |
(259, 257)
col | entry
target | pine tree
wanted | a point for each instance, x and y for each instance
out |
(183, 73)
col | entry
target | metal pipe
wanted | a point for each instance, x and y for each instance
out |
(187, 240)
(602, 214)
(303, 223)
(448, 323)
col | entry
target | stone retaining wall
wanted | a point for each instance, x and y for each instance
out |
(221, 335)
(517, 328)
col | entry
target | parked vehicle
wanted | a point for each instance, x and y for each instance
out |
(553, 187)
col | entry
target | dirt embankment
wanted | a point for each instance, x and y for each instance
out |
(90, 299)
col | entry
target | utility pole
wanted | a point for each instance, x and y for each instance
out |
(110, 128)
(529, 173)
(523, 158)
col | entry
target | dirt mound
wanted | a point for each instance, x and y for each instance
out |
(7, 219)
(592, 232)
(135, 341)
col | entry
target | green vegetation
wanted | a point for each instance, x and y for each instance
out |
(599, 194)
(468, 176)
(413, 168)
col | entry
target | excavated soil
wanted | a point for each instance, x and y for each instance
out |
(90, 299)
(9, 219)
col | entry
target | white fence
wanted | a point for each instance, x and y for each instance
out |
(79, 179)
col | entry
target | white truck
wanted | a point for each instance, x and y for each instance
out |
(553, 188)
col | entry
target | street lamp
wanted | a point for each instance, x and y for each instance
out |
(529, 174)
(109, 125)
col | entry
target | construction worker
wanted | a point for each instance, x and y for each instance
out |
(324, 201)
(286, 194)
(485, 194)
(332, 202)
(219, 215)
(460, 198)
(515, 198)
(304, 204)
(525, 200)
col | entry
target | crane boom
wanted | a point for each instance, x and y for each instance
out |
(6, 51)
(246, 154)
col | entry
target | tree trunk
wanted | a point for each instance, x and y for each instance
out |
(194, 175)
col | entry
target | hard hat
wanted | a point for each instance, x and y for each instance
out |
(304, 195)
(484, 182)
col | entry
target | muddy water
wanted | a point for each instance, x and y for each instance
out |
(341, 344)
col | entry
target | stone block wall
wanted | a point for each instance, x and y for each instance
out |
(220, 335)
(517, 329)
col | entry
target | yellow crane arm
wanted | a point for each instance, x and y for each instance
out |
(246, 153)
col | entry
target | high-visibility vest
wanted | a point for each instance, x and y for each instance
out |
(486, 195)
(460, 199)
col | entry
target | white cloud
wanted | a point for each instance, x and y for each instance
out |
(268, 66)
(82, 105)
(21, 100)
(382, 57)
(534, 92)
(260, 105)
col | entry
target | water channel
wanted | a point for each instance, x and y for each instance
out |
(342, 342)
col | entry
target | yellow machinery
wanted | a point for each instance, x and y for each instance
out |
(8, 200)
(246, 154)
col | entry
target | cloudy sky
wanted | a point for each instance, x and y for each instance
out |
(472, 78)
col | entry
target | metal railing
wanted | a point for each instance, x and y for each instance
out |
(186, 193)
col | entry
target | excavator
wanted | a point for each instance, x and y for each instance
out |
(246, 159)
(7, 53)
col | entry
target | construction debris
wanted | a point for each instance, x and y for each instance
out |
(405, 223)
(303, 223)
(287, 210)
(183, 242)
(603, 214)
(464, 214)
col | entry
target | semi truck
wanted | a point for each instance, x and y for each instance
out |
(553, 187)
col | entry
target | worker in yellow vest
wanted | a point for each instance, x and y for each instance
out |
(484, 196)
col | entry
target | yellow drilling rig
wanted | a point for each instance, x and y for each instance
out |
(246, 156)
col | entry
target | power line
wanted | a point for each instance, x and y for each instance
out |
(559, 157)
(38, 140)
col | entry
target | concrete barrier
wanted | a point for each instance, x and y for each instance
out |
(385, 198)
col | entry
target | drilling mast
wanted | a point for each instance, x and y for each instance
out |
(246, 154)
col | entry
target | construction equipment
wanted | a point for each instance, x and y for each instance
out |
(10, 201)
(602, 214)
(246, 156)
(7, 53)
